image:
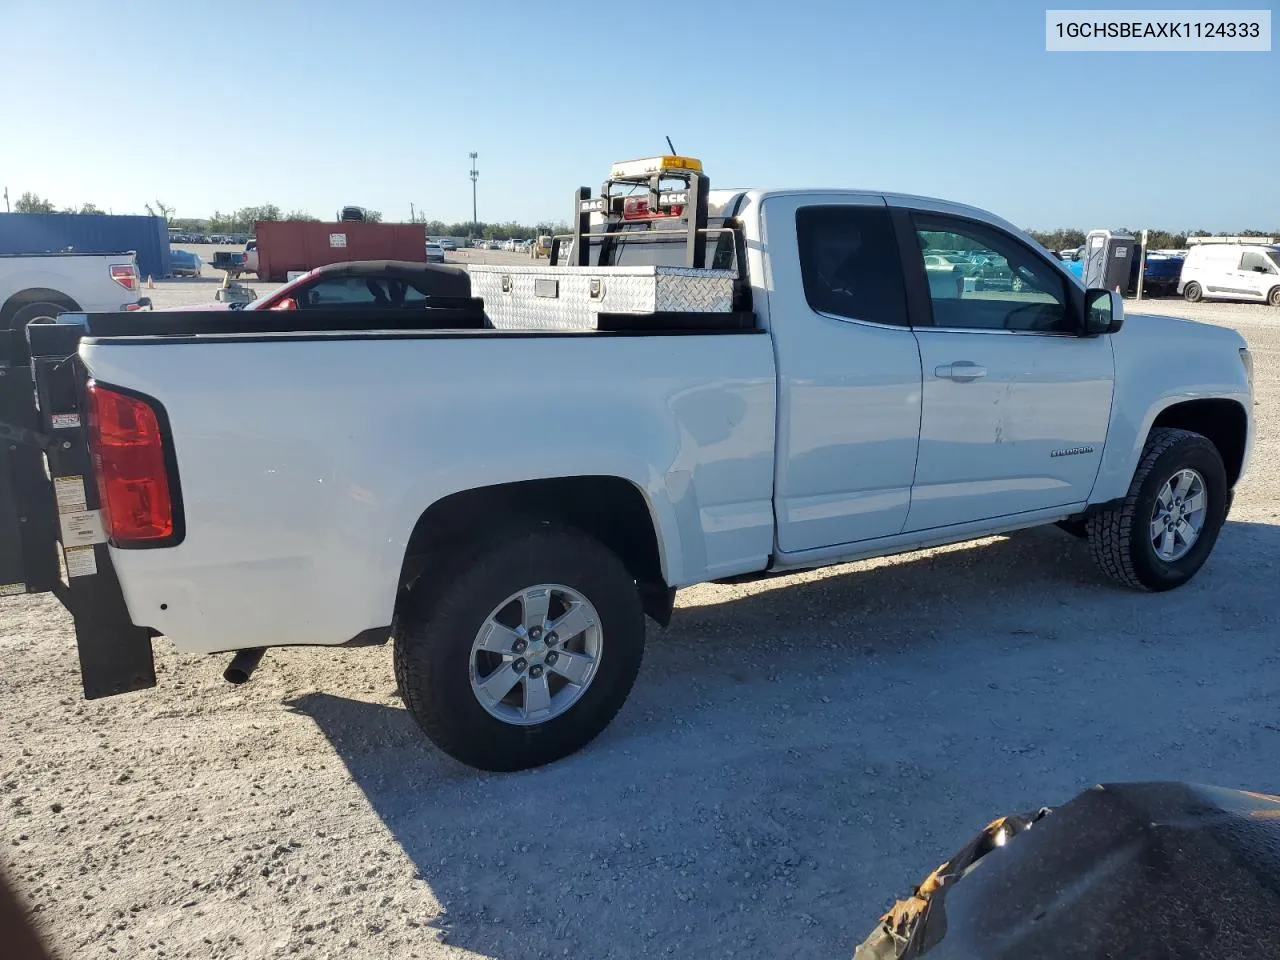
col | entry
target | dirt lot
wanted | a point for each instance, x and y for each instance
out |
(795, 754)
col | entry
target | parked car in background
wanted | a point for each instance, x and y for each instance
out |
(1160, 274)
(942, 261)
(435, 252)
(359, 283)
(184, 263)
(1231, 271)
(447, 244)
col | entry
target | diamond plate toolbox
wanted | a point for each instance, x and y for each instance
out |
(569, 298)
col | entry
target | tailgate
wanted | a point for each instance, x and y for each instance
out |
(51, 536)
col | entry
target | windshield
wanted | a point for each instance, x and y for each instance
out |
(275, 296)
(1274, 255)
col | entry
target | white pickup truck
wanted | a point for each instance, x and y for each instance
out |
(37, 287)
(508, 504)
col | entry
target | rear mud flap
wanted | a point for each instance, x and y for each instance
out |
(51, 538)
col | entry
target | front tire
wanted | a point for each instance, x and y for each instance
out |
(1192, 292)
(1273, 297)
(1163, 531)
(480, 663)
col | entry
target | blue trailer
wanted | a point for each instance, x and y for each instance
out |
(147, 237)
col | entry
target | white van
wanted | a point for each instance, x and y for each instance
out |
(1231, 271)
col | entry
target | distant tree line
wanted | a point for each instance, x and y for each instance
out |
(1066, 239)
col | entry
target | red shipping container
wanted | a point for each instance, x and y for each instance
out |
(285, 245)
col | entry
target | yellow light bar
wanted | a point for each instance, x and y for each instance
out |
(651, 165)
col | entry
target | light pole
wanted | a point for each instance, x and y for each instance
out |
(475, 220)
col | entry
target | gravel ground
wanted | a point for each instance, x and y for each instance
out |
(795, 754)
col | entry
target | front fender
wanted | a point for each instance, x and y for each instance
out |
(1161, 362)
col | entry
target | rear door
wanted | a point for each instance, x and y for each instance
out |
(1015, 406)
(848, 370)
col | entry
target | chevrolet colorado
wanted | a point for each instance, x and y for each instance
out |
(506, 501)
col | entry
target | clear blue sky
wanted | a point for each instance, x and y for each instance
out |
(316, 104)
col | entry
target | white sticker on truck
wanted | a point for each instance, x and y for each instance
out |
(82, 528)
(337, 239)
(12, 589)
(80, 561)
(69, 492)
(63, 420)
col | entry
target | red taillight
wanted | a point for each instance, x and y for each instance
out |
(125, 275)
(637, 208)
(129, 461)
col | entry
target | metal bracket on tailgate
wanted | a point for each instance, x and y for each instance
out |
(64, 549)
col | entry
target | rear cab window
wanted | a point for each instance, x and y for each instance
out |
(850, 264)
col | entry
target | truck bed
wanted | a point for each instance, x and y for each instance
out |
(307, 444)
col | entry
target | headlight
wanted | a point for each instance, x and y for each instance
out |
(1247, 359)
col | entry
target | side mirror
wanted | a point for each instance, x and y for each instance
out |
(1260, 269)
(1103, 312)
(288, 303)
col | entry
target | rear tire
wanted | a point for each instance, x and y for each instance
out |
(1192, 292)
(1122, 540)
(41, 312)
(438, 665)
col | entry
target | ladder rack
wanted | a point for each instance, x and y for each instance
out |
(661, 201)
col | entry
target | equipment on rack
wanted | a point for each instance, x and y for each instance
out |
(671, 187)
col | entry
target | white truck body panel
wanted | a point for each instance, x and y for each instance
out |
(84, 279)
(300, 494)
(1161, 361)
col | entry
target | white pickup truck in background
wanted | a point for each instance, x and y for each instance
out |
(37, 287)
(508, 504)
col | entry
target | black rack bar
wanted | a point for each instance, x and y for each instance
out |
(581, 227)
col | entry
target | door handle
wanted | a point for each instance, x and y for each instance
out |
(962, 371)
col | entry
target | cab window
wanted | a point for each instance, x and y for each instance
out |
(1256, 263)
(980, 278)
(850, 263)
